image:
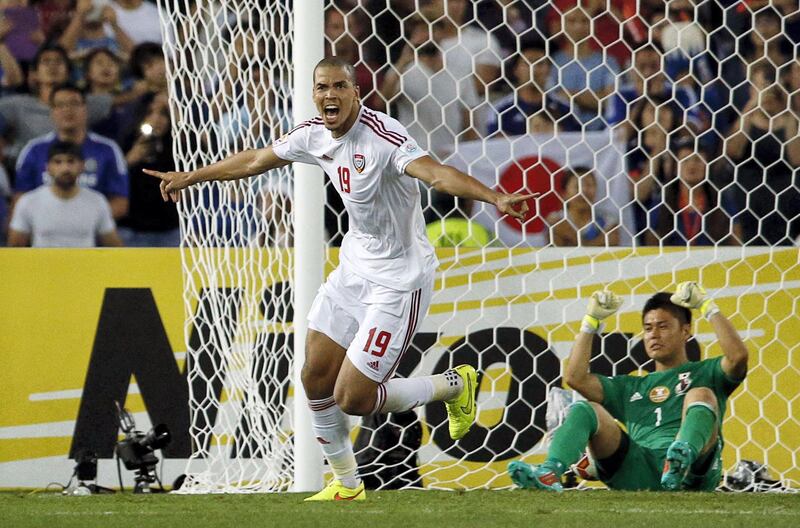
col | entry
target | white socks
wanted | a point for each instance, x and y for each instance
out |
(332, 429)
(403, 394)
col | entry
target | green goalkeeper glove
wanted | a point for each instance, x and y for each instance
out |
(601, 305)
(691, 295)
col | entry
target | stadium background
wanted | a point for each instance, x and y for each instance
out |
(217, 60)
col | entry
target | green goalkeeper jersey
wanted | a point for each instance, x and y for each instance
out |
(651, 406)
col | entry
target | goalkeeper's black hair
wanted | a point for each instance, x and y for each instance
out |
(661, 301)
(337, 62)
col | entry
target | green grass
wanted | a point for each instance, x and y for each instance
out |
(591, 509)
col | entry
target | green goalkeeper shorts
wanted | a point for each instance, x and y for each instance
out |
(642, 466)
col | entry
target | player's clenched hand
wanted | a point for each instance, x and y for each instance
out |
(515, 205)
(691, 295)
(171, 183)
(601, 305)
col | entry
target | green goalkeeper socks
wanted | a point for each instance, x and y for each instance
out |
(697, 426)
(572, 437)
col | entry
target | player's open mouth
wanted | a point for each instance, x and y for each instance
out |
(331, 112)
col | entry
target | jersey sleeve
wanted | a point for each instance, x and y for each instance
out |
(407, 152)
(25, 178)
(105, 221)
(118, 183)
(722, 382)
(614, 389)
(294, 145)
(21, 220)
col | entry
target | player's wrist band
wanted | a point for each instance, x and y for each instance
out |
(708, 308)
(591, 325)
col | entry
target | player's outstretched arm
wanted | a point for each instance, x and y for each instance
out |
(577, 375)
(240, 165)
(450, 180)
(693, 296)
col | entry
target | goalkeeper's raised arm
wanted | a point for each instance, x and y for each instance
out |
(692, 296)
(601, 305)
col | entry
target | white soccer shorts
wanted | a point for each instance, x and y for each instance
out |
(374, 323)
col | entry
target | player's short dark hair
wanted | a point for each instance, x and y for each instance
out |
(337, 62)
(67, 87)
(48, 48)
(661, 301)
(64, 147)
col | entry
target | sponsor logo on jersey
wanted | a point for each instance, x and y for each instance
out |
(410, 147)
(685, 381)
(659, 394)
(358, 162)
(374, 365)
(636, 396)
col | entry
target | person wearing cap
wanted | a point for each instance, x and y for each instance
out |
(63, 214)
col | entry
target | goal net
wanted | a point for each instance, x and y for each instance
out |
(661, 136)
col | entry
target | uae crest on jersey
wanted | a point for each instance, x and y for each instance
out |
(358, 162)
(659, 394)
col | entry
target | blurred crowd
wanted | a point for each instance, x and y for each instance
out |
(703, 96)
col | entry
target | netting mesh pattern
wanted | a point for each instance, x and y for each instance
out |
(670, 127)
(230, 80)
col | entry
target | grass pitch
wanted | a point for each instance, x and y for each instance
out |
(407, 509)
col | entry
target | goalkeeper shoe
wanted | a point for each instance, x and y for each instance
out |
(680, 457)
(461, 409)
(541, 477)
(336, 491)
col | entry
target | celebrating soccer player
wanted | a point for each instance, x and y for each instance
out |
(365, 315)
(673, 416)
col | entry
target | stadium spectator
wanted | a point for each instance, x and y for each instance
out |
(583, 79)
(26, 116)
(765, 147)
(62, 213)
(150, 221)
(140, 20)
(89, 28)
(21, 30)
(54, 16)
(451, 225)
(148, 67)
(581, 223)
(527, 109)
(692, 211)
(105, 170)
(509, 21)
(434, 104)
(608, 19)
(11, 76)
(342, 40)
(468, 50)
(646, 83)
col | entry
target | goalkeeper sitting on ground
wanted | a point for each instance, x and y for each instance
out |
(673, 416)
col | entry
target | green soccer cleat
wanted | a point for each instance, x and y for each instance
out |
(541, 477)
(461, 409)
(680, 457)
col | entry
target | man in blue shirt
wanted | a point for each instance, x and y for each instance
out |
(105, 170)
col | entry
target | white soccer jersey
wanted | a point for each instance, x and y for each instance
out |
(386, 242)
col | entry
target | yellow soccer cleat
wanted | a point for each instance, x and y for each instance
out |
(336, 491)
(461, 410)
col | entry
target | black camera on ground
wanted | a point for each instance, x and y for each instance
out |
(137, 450)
